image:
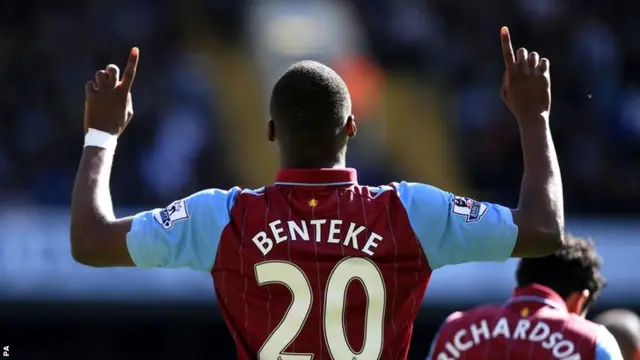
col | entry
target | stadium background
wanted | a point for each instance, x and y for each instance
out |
(424, 75)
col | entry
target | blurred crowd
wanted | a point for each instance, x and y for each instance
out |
(49, 50)
(594, 47)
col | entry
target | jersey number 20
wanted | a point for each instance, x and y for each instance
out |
(347, 270)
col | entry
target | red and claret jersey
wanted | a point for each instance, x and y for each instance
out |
(316, 266)
(534, 324)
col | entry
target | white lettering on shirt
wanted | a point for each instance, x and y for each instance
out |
(478, 332)
(324, 231)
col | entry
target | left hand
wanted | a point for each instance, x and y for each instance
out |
(526, 84)
(108, 106)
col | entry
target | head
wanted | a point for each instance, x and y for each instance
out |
(573, 272)
(625, 327)
(311, 118)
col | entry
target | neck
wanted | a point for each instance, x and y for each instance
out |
(312, 165)
(334, 162)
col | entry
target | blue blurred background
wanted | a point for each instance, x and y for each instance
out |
(424, 76)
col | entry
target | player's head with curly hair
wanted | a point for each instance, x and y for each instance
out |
(572, 271)
(311, 118)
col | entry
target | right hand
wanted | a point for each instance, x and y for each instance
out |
(108, 105)
(526, 84)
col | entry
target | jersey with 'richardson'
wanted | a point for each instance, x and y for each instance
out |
(534, 324)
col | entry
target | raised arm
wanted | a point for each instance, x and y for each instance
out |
(455, 229)
(98, 238)
(526, 90)
(184, 234)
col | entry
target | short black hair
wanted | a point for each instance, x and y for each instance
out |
(310, 101)
(573, 268)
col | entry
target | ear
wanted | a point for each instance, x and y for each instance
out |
(576, 302)
(271, 130)
(352, 129)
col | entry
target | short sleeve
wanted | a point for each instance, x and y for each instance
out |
(606, 346)
(184, 234)
(454, 229)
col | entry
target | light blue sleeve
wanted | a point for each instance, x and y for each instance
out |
(606, 346)
(454, 229)
(185, 234)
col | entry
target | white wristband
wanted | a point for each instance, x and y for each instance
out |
(101, 139)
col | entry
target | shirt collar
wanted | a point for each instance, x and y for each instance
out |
(540, 294)
(317, 177)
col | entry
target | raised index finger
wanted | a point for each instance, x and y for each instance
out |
(507, 49)
(130, 70)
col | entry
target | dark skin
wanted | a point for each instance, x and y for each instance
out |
(306, 157)
(526, 90)
(98, 238)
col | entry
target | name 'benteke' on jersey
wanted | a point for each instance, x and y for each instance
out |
(316, 266)
(325, 230)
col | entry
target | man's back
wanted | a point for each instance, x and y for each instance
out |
(318, 265)
(315, 259)
(311, 121)
(534, 324)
